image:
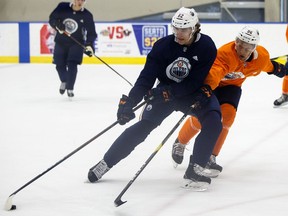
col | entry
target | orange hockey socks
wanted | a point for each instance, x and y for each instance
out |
(228, 116)
(190, 128)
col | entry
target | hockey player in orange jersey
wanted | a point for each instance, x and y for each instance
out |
(235, 61)
(283, 100)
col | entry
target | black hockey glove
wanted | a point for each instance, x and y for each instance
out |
(89, 50)
(286, 68)
(201, 97)
(160, 94)
(280, 70)
(125, 111)
(60, 27)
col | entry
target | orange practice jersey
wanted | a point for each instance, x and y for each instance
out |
(227, 68)
(287, 33)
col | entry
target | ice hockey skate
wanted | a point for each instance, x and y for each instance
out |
(62, 88)
(178, 152)
(70, 93)
(96, 172)
(214, 168)
(283, 100)
(195, 178)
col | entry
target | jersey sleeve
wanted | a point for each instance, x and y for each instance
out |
(90, 27)
(147, 77)
(54, 17)
(287, 33)
(267, 65)
(220, 68)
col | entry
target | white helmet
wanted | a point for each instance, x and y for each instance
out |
(249, 35)
(185, 18)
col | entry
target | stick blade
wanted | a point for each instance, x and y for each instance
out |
(118, 202)
(9, 205)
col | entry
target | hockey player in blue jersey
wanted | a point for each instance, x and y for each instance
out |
(180, 62)
(78, 22)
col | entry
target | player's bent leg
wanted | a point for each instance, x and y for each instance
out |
(120, 149)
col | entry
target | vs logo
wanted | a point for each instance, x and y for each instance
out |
(117, 32)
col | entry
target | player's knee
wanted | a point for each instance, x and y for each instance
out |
(72, 66)
(212, 122)
(228, 115)
(194, 123)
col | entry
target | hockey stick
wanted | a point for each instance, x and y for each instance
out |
(281, 59)
(80, 44)
(118, 201)
(9, 206)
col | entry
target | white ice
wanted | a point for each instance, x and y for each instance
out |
(39, 127)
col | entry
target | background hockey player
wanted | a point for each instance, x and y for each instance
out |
(77, 21)
(181, 63)
(284, 97)
(235, 61)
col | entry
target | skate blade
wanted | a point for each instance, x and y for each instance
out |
(175, 165)
(195, 186)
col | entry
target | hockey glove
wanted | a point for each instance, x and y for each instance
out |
(125, 111)
(160, 94)
(280, 70)
(286, 67)
(201, 97)
(89, 51)
(60, 27)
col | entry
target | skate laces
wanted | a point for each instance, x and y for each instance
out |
(70, 93)
(178, 148)
(213, 166)
(212, 160)
(201, 171)
(63, 86)
(283, 98)
(100, 169)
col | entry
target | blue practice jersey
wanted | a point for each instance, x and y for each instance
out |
(79, 24)
(184, 68)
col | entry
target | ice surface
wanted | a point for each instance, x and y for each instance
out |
(39, 127)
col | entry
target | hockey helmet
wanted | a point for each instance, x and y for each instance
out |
(185, 18)
(249, 35)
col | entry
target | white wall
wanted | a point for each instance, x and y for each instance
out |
(272, 37)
